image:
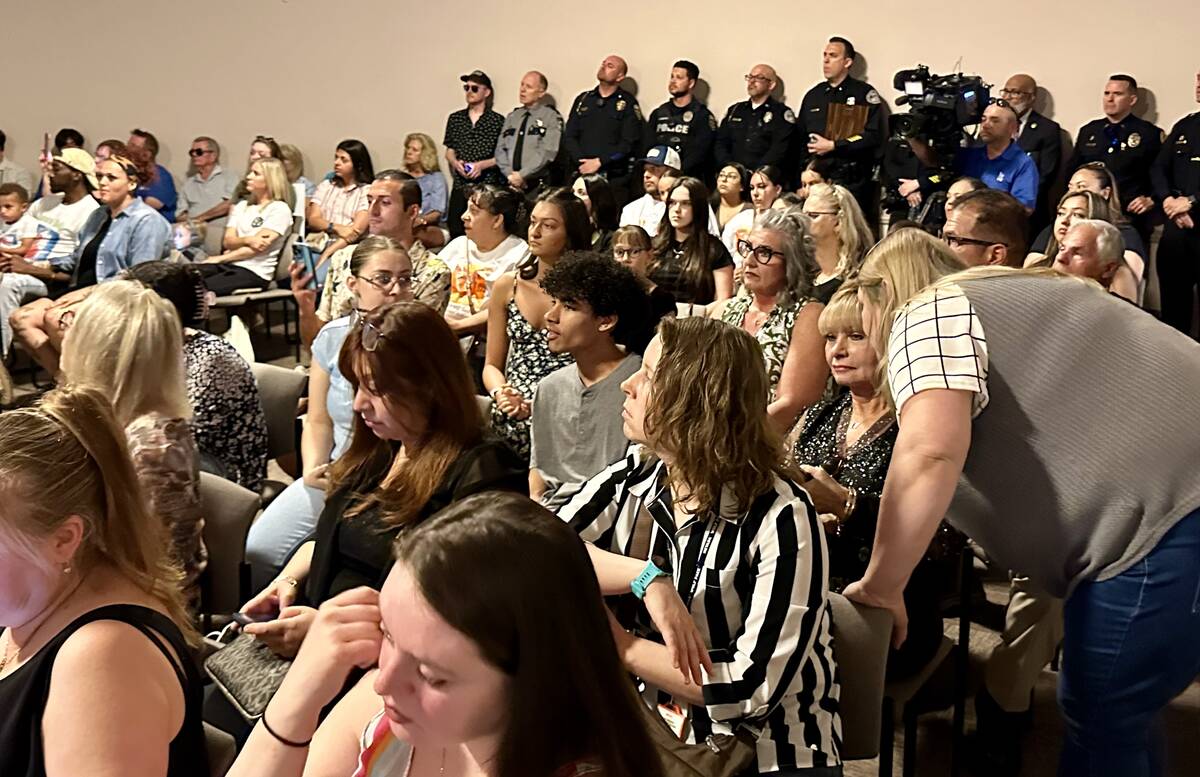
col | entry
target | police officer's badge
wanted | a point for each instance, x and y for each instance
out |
(1134, 140)
(767, 118)
(687, 116)
(620, 105)
(789, 117)
(850, 100)
(257, 222)
(873, 97)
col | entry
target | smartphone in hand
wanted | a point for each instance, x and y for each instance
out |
(245, 619)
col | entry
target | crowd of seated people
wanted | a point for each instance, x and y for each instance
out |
(734, 399)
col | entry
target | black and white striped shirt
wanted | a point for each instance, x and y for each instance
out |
(761, 605)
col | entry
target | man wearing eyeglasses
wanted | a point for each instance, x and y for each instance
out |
(756, 132)
(987, 227)
(857, 152)
(206, 194)
(470, 141)
(1039, 137)
(1125, 143)
(997, 159)
(604, 129)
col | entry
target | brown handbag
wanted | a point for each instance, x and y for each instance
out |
(720, 755)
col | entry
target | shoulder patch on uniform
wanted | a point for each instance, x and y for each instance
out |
(873, 97)
(712, 121)
(637, 111)
(789, 117)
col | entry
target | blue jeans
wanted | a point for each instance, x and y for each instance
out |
(286, 523)
(1132, 644)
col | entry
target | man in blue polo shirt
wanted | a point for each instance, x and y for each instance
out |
(998, 159)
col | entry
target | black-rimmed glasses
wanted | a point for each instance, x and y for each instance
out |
(955, 241)
(762, 254)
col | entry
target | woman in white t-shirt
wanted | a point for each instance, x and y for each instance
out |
(477, 259)
(255, 233)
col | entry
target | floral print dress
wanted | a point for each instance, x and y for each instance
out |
(529, 360)
(774, 336)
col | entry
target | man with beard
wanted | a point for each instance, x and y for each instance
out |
(683, 123)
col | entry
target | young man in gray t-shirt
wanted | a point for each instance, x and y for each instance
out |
(601, 316)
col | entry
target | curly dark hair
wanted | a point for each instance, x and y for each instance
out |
(609, 289)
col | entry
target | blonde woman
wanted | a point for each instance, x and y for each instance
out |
(126, 341)
(842, 235)
(293, 163)
(95, 673)
(1000, 433)
(421, 162)
(256, 231)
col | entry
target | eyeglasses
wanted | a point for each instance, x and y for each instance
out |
(728, 177)
(1015, 93)
(263, 139)
(472, 88)
(385, 281)
(999, 101)
(197, 152)
(621, 253)
(955, 241)
(752, 77)
(371, 333)
(762, 254)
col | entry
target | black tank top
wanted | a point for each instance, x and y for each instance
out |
(23, 697)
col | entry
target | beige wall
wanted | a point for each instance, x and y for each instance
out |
(312, 71)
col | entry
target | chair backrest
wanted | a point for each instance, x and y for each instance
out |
(280, 391)
(861, 636)
(228, 511)
(222, 750)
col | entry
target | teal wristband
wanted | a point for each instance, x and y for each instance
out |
(649, 574)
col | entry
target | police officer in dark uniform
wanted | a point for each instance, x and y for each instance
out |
(756, 132)
(1127, 145)
(684, 123)
(1176, 180)
(604, 130)
(857, 154)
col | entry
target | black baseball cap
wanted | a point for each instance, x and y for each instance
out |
(478, 76)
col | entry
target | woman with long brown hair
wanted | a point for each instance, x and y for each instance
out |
(689, 261)
(95, 675)
(744, 610)
(418, 444)
(487, 695)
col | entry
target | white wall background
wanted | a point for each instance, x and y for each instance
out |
(312, 72)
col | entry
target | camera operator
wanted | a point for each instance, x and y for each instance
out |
(855, 155)
(997, 160)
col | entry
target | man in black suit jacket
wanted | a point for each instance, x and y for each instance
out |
(1039, 137)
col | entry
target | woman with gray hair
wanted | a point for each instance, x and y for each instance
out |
(779, 310)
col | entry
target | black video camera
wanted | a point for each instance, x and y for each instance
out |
(939, 106)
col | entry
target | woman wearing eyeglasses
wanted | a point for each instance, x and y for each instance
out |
(417, 445)
(255, 232)
(780, 312)
(633, 247)
(845, 446)
(841, 233)
(766, 184)
(732, 195)
(380, 274)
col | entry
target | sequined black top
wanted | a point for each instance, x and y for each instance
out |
(862, 467)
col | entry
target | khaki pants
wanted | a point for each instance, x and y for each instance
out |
(1033, 629)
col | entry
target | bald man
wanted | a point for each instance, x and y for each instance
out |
(757, 131)
(998, 160)
(1039, 137)
(604, 129)
(530, 137)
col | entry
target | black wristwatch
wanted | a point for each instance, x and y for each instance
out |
(329, 230)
